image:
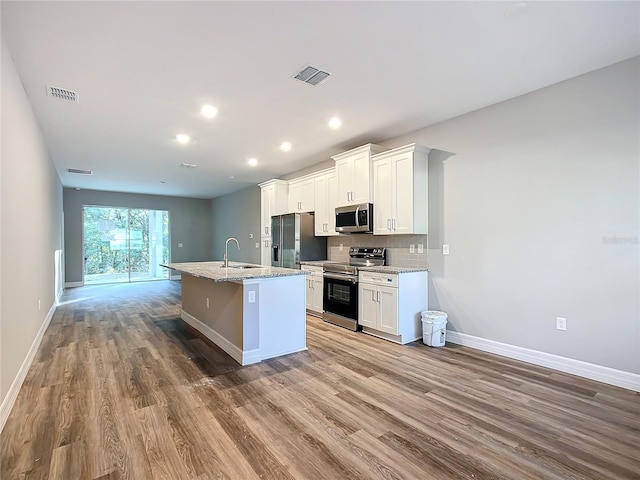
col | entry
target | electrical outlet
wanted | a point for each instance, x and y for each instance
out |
(252, 296)
(341, 246)
(412, 248)
(420, 248)
(561, 323)
(179, 245)
(445, 249)
(257, 244)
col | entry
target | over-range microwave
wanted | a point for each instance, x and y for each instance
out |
(355, 218)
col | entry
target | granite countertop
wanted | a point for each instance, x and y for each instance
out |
(317, 263)
(216, 272)
(394, 270)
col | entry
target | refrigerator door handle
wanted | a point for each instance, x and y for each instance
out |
(275, 253)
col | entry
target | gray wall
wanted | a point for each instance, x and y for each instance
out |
(540, 207)
(189, 224)
(538, 198)
(237, 215)
(30, 226)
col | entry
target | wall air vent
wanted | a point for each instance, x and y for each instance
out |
(63, 94)
(311, 75)
(79, 172)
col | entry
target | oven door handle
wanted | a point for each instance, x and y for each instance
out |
(345, 278)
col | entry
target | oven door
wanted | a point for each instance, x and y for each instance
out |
(340, 295)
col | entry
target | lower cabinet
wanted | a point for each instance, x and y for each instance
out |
(390, 305)
(314, 290)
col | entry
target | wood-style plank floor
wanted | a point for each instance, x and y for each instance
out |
(121, 388)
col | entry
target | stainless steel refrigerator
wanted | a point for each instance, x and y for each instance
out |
(293, 240)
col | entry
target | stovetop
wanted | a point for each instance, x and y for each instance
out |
(359, 257)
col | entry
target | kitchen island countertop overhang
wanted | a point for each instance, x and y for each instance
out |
(250, 311)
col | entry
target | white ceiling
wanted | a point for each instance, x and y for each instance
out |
(143, 69)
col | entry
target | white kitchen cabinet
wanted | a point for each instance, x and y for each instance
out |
(400, 188)
(315, 284)
(326, 199)
(273, 201)
(353, 169)
(301, 194)
(390, 305)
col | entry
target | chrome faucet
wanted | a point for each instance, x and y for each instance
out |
(226, 250)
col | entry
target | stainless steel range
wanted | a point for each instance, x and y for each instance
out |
(340, 293)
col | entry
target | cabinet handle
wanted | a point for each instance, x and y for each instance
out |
(388, 224)
(393, 224)
(266, 230)
(373, 295)
(378, 296)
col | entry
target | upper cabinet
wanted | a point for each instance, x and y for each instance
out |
(301, 194)
(353, 170)
(326, 199)
(273, 201)
(400, 189)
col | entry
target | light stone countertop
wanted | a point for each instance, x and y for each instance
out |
(316, 263)
(394, 270)
(216, 272)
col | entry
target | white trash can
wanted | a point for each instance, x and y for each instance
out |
(434, 328)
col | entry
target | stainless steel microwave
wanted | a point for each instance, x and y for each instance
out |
(355, 218)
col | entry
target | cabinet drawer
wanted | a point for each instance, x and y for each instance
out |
(390, 280)
(316, 269)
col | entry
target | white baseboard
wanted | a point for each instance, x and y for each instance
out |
(73, 284)
(252, 356)
(592, 371)
(175, 277)
(14, 389)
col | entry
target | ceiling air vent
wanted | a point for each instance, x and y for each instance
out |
(79, 172)
(63, 94)
(311, 75)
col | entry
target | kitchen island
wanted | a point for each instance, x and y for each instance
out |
(252, 312)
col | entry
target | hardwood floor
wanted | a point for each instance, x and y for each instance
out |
(121, 388)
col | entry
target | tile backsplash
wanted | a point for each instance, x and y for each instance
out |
(397, 248)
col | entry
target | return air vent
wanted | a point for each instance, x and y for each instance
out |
(63, 94)
(311, 75)
(79, 172)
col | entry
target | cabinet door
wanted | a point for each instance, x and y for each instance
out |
(316, 304)
(368, 305)
(344, 171)
(295, 197)
(309, 290)
(265, 251)
(332, 196)
(361, 178)
(307, 195)
(321, 206)
(387, 298)
(383, 194)
(402, 183)
(266, 206)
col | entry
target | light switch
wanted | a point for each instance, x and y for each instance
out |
(445, 249)
(412, 248)
(179, 245)
(252, 296)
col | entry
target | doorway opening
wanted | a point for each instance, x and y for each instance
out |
(124, 245)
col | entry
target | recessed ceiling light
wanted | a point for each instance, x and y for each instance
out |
(253, 162)
(183, 139)
(335, 123)
(285, 146)
(208, 111)
(188, 165)
(232, 177)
